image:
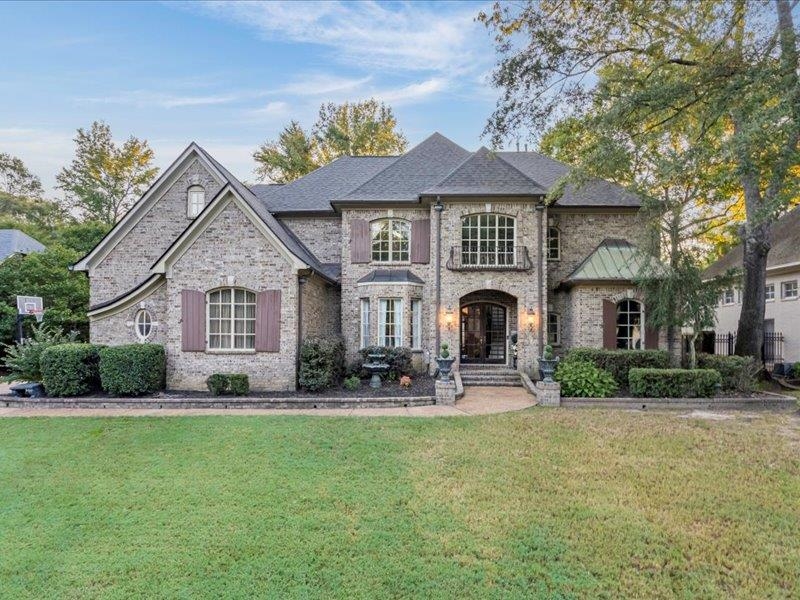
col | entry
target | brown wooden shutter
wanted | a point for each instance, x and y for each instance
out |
(650, 338)
(193, 321)
(609, 325)
(268, 321)
(421, 241)
(360, 250)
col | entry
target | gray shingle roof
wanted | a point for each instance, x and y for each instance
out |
(547, 172)
(315, 191)
(785, 246)
(486, 173)
(612, 260)
(14, 241)
(425, 165)
(390, 276)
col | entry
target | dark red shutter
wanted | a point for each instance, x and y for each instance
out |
(193, 321)
(268, 321)
(650, 338)
(421, 241)
(360, 250)
(609, 325)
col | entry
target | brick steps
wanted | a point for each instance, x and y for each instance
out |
(489, 375)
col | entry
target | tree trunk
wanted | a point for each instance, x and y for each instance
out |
(693, 350)
(750, 333)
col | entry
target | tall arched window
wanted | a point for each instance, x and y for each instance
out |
(553, 243)
(195, 201)
(390, 240)
(487, 239)
(630, 325)
(231, 319)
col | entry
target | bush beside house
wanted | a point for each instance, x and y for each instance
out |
(580, 378)
(737, 372)
(71, 369)
(674, 383)
(620, 362)
(321, 363)
(132, 369)
(237, 384)
(398, 358)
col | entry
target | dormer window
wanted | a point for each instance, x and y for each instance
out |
(196, 201)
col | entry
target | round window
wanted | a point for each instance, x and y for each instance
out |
(144, 325)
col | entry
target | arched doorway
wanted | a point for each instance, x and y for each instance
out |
(484, 333)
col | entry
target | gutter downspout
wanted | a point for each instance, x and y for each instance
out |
(438, 207)
(539, 269)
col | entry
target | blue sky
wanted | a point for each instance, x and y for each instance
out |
(230, 76)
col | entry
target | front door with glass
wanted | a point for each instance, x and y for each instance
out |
(483, 333)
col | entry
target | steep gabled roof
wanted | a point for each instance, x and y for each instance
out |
(14, 241)
(486, 173)
(593, 193)
(315, 191)
(425, 165)
(612, 260)
(785, 248)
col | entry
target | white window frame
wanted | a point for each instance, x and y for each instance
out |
(396, 339)
(195, 200)
(398, 249)
(488, 250)
(785, 286)
(631, 341)
(558, 243)
(364, 321)
(725, 300)
(769, 292)
(143, 318)
(248, 337)
(556, 340)
(416, 324)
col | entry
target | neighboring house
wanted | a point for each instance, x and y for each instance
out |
(14, 241)
(437, 245)
(782, 313)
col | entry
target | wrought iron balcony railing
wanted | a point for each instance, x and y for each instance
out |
(470, 257)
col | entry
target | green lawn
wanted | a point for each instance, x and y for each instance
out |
(543, 503)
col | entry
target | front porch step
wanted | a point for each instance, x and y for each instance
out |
(489, 375)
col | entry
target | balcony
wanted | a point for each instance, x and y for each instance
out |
(469, 257)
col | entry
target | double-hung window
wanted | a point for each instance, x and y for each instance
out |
(390, 325)
(196, 201)
(390, 240)
(789, 290)
(553, 328)
(770, 292)
(553, 243)
(364, 341)
(727, 297)
(231, 319)
(416, 323)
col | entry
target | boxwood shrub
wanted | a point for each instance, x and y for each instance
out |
(133, 369)
(620, 362)
(237, 384)
(321, 363)
(674, 383)
(70, 369)
(583, 379)
(737, 372)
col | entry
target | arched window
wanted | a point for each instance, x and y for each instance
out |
(630, 325)
(231, 319)
(390, 240)
(144, 325)
(195, 201)
(553, 243)
(487, 239)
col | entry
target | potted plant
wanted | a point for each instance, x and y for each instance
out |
(445, 362)
(547, 364)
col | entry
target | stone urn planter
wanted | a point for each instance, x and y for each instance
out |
(548, 363)
(445, 362)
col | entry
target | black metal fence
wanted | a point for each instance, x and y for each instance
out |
(771, 349)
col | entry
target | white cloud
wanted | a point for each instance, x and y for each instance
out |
(145, 99)
(320, 84)
(411, 93)
(407, 36)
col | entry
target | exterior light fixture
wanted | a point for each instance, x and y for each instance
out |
(531, 320)
(448, 318)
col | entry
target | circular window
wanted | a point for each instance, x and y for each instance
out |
(144, 325)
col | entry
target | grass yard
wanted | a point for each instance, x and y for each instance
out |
(543, 503)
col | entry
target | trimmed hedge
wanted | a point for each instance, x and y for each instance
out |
(620, 362)
(321, 363)
(132, 369)
(71, 369)
(737, 372)
(583, 379)
(674, 383)
(237, 384)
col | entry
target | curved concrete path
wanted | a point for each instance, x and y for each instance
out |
(476, 401)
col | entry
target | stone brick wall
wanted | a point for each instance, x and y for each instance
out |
(321, 235)
(232, 249)
(321, 309)
(129, 262)
(119, 328)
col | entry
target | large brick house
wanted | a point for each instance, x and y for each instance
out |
(437, 245)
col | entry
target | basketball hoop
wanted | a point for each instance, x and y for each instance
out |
(32, 306)
(39, 314)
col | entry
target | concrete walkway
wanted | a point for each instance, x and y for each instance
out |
(476, 401)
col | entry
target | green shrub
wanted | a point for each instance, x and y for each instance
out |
(352, 383)
(674, 383)
(737, 372)
(132, 369)
(321, 363)
(583, 379)
(71, 369)
(239, 384)
(23, 359)
(217, 384)
(620, 362)
(797, 370)
(398, 359)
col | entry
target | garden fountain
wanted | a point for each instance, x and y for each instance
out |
(377, 364)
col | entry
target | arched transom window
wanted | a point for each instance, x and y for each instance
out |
(630, 325)
(390, 240)
(231, 319)
(196, 201)
(487, 239)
